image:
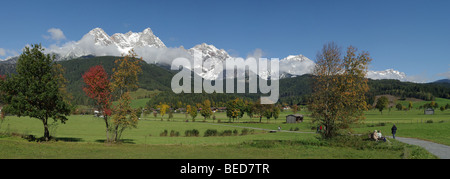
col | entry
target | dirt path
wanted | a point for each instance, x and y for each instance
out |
(440, 150)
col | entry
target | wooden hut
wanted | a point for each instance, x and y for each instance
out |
(294, 118)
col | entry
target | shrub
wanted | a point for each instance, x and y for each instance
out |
(235, 132)
(244, 131)
(164, 133)
(210, 132)
(226, 133)
(191, 133)
(174, 133)
(429, 121)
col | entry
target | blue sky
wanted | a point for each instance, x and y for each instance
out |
(408, 36)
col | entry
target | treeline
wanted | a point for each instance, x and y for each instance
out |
(235, 109)
(218, 99)
(427, 92)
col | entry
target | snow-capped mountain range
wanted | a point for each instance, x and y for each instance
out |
(146, 44)
(387, 74)
(295, 65)
(126, 42)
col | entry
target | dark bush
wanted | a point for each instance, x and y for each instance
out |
(210, 132)
(174, 133)
(244, 131)
(226, 133)
(235, 132)
(191, 133)
(164, 133)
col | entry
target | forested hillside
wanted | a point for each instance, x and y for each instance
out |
(152, 78)
(424, 91)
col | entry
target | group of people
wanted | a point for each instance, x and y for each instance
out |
(376, 135)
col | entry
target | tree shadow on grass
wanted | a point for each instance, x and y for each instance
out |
(32, 138)
(121, 141)
(68, 139)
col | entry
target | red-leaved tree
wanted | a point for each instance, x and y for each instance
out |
(98, 87)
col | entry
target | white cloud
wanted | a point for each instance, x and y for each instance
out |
(7, 53)
(397, 75)
(2, 52)
(445, 74)
(257, 53)
(85, 46)
(55, 34)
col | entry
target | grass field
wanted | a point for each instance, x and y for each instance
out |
(83, 137)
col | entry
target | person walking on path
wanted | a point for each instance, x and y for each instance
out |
(393, 130)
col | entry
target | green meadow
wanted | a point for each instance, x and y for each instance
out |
(83, 137)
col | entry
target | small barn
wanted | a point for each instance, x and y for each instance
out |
(294, 118)
(429, 111)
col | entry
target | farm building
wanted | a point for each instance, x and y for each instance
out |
(428, 111)
(294, 118)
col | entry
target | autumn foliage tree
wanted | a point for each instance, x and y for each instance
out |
(339, 88)
(235, 108)
(124, 80)
(163, 107)
(206, 109)
(125, 74)
(124, 116)
(59, 72)
(193, 113)
(98, 88)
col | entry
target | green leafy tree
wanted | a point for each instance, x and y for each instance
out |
(34, 90)
(259, 109)
(399, 106)
(382, 103)
(276, 112)
(268, 112)
(250, 109)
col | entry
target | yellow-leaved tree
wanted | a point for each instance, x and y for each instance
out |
(125, 79)
(163, 107)
(339, 88)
